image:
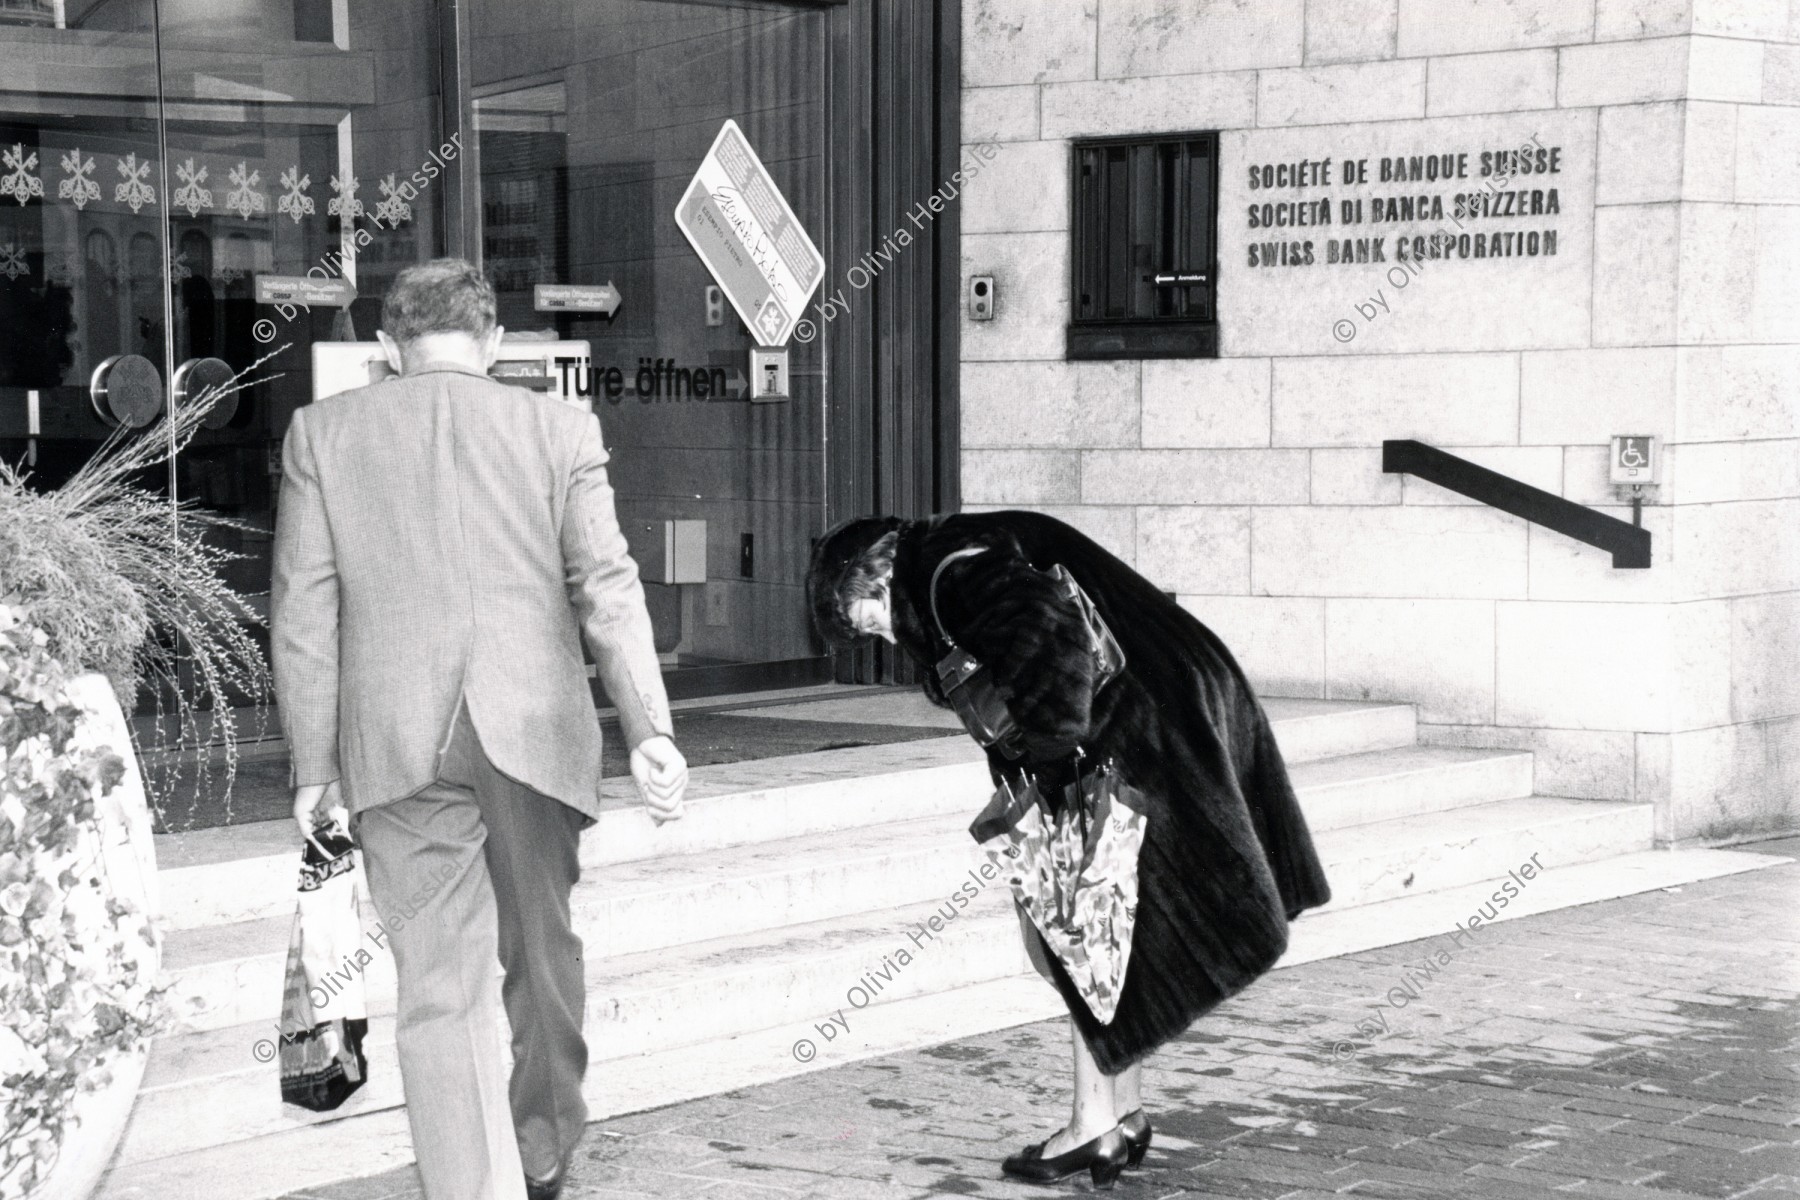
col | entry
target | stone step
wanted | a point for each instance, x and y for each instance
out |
(229, 974)
(210, 1085)
(239, 873)
(367, 1137)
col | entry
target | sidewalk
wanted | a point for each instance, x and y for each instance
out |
(1646, 1047)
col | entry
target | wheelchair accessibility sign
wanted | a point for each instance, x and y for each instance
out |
(1634, 459)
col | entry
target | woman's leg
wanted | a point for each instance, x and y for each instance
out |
(1094, 1113)
(1128, 1089)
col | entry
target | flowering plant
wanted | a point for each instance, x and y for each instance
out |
(77, 963)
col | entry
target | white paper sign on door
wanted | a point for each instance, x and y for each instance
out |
(740, 225)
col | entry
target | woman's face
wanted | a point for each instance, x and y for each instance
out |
(873, 616)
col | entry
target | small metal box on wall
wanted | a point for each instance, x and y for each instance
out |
(674, 552)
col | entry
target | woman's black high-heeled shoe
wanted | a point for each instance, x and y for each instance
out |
(1136, 1127)
(1103, 1159)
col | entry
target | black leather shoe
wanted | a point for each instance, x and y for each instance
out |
(547, 1189)
(1103, 1159)
(1136, 1127)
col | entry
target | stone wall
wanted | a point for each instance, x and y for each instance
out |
(1251, 484)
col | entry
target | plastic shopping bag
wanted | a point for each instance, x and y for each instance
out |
(324, 1015)
(1073, 870)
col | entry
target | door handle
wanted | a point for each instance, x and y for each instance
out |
(126, 390)
(199, 378)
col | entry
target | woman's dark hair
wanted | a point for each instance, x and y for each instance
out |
(852, 562)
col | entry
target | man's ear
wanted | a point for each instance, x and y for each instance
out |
(391, 348)
(491, 351)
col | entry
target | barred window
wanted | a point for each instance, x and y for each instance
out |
(1145, 242)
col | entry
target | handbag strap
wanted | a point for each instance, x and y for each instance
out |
(965, 552)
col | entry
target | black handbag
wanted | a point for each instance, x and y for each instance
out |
(969, 686)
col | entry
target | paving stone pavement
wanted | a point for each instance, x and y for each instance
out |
(1644, 1048)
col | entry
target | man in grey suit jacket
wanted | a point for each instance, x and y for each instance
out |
(443, 542)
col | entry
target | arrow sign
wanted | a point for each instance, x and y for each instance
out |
(737, 386)
(576, 297)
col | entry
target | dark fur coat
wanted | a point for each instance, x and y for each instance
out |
(1227, 859)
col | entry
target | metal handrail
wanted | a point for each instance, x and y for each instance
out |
(1628, 544)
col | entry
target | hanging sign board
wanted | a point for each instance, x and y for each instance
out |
(743, 230)
(304, 292)
(576, 297)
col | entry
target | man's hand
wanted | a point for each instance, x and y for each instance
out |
(661, 776)
(309, 798)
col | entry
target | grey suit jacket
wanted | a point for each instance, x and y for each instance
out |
(443, 538)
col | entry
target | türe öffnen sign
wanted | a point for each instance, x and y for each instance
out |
(1489, 202)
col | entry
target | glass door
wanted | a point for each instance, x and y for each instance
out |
(83, 289)
(591, 120)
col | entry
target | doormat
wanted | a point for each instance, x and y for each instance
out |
(260, 792)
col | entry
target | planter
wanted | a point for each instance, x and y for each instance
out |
(130, 856)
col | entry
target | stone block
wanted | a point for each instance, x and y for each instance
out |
(1725, 69)
(1351, 31)
(1000, 114)
(1114, 528)
(1157, 105)
(1392, 551)
(1636, 255)
(1724, 784)
(1352, 476)
(1633, 20)
(1279, 641)
(1438, 654)
(1644, 667)
(1781, 75)
(1276, 302)
(1572, 396)
(1185, 37)
(1768, 154)
(1373, 91)
(1587, 472)
(1539, 466)
(1765, 652)
(1503, 81)
(1565, 569)
(1444, 399)
(1775, 313)
(1030, 319)
(1739, 549)
(1711, 472)
(1762, 20)
(1640, 156)
(1194, 477)
(1471, 26)
(1709, 151)
(1021, 476)
(1634, 72)
(1025, 41)
(1216, 402)
(1056, 405)
(1024, 189)
(1195, 549)
(1581, 764)
(1737, 393)
(1718, 281)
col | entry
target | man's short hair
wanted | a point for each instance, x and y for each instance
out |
(445, 295)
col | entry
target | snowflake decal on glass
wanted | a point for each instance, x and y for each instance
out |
(393, 208)
(190, 195)
(19, 182)
(134, 191)
(77, 187)
(243, 198)
(296, 203)
(12, 261)
(344, 204)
